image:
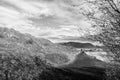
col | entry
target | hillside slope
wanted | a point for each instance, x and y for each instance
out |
(11, 39)
(21, 57)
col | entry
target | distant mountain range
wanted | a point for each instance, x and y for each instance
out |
(79, 45)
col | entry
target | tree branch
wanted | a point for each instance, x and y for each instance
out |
(113, 6)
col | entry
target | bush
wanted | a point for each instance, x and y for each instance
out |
(21, 67)
(113, 72)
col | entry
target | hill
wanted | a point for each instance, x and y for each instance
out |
(21, 57)
(26, 55)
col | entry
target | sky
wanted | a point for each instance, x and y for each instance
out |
(56, 20)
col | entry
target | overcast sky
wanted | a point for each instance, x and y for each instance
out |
(57, 20)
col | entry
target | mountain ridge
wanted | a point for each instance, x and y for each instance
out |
(79, 45)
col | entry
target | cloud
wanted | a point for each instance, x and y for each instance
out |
(44, 18)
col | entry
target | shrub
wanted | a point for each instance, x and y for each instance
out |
(21, 67)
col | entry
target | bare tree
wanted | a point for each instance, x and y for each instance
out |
(106, 15)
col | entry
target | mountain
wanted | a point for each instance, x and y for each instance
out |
(78, 45)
